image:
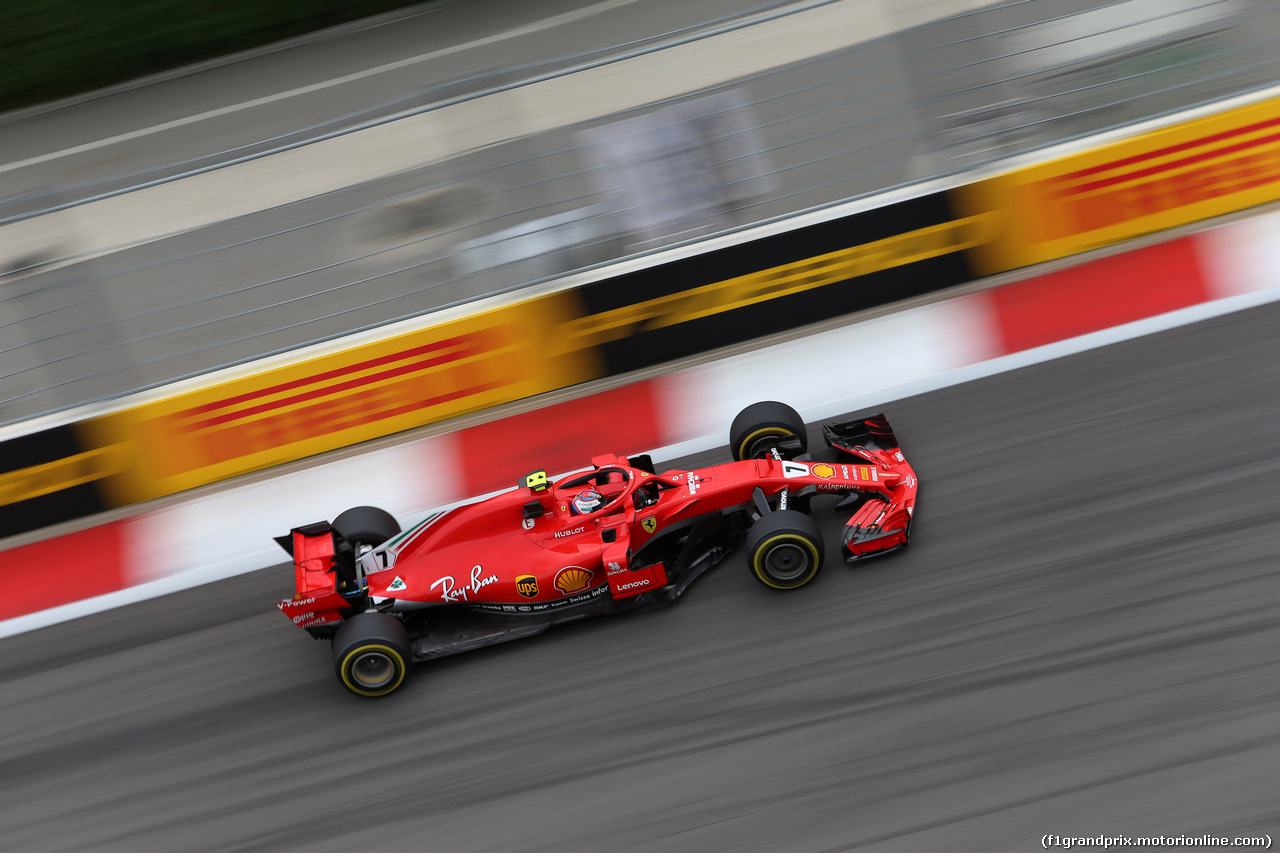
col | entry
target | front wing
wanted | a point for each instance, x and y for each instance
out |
(882, 523)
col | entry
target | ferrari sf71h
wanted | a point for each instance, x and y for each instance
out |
(599, 541)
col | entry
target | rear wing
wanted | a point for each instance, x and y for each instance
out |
(860, 434)
(324, 567)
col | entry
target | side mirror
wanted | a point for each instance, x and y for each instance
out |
(535, 481)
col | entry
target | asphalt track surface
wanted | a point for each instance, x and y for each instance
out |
(1081, 640)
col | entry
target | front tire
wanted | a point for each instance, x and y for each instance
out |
(371, 654)
(785, 549)
(761, 427)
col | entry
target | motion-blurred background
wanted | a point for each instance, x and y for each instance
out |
(432, 157)
(169, 230)
(222, 253)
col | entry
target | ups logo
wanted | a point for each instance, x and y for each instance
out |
(527, 585)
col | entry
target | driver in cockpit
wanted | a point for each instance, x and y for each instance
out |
(587, 501)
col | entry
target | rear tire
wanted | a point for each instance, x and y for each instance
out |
(761, 427)
(366, 525)
(785, 549)
(371, 654)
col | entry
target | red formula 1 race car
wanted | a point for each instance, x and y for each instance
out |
(601, 541)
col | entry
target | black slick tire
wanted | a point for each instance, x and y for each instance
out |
(784, 549)
(763, 426)
(371, 654)
(366, 525)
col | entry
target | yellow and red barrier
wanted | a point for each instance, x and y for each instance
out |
(322, 403)
(1142, 184)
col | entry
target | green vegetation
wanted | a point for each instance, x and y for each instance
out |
(54, 48)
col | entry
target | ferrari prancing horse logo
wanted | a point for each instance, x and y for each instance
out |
(649, 524)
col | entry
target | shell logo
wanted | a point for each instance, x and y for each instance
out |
(823, 471)
(572, 579)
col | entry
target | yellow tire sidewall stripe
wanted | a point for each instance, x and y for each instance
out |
(757, 557)
(763, 431)
(379, 647)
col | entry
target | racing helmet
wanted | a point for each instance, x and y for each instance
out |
(587, 501)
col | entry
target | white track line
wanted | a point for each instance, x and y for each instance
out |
(527, 29)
